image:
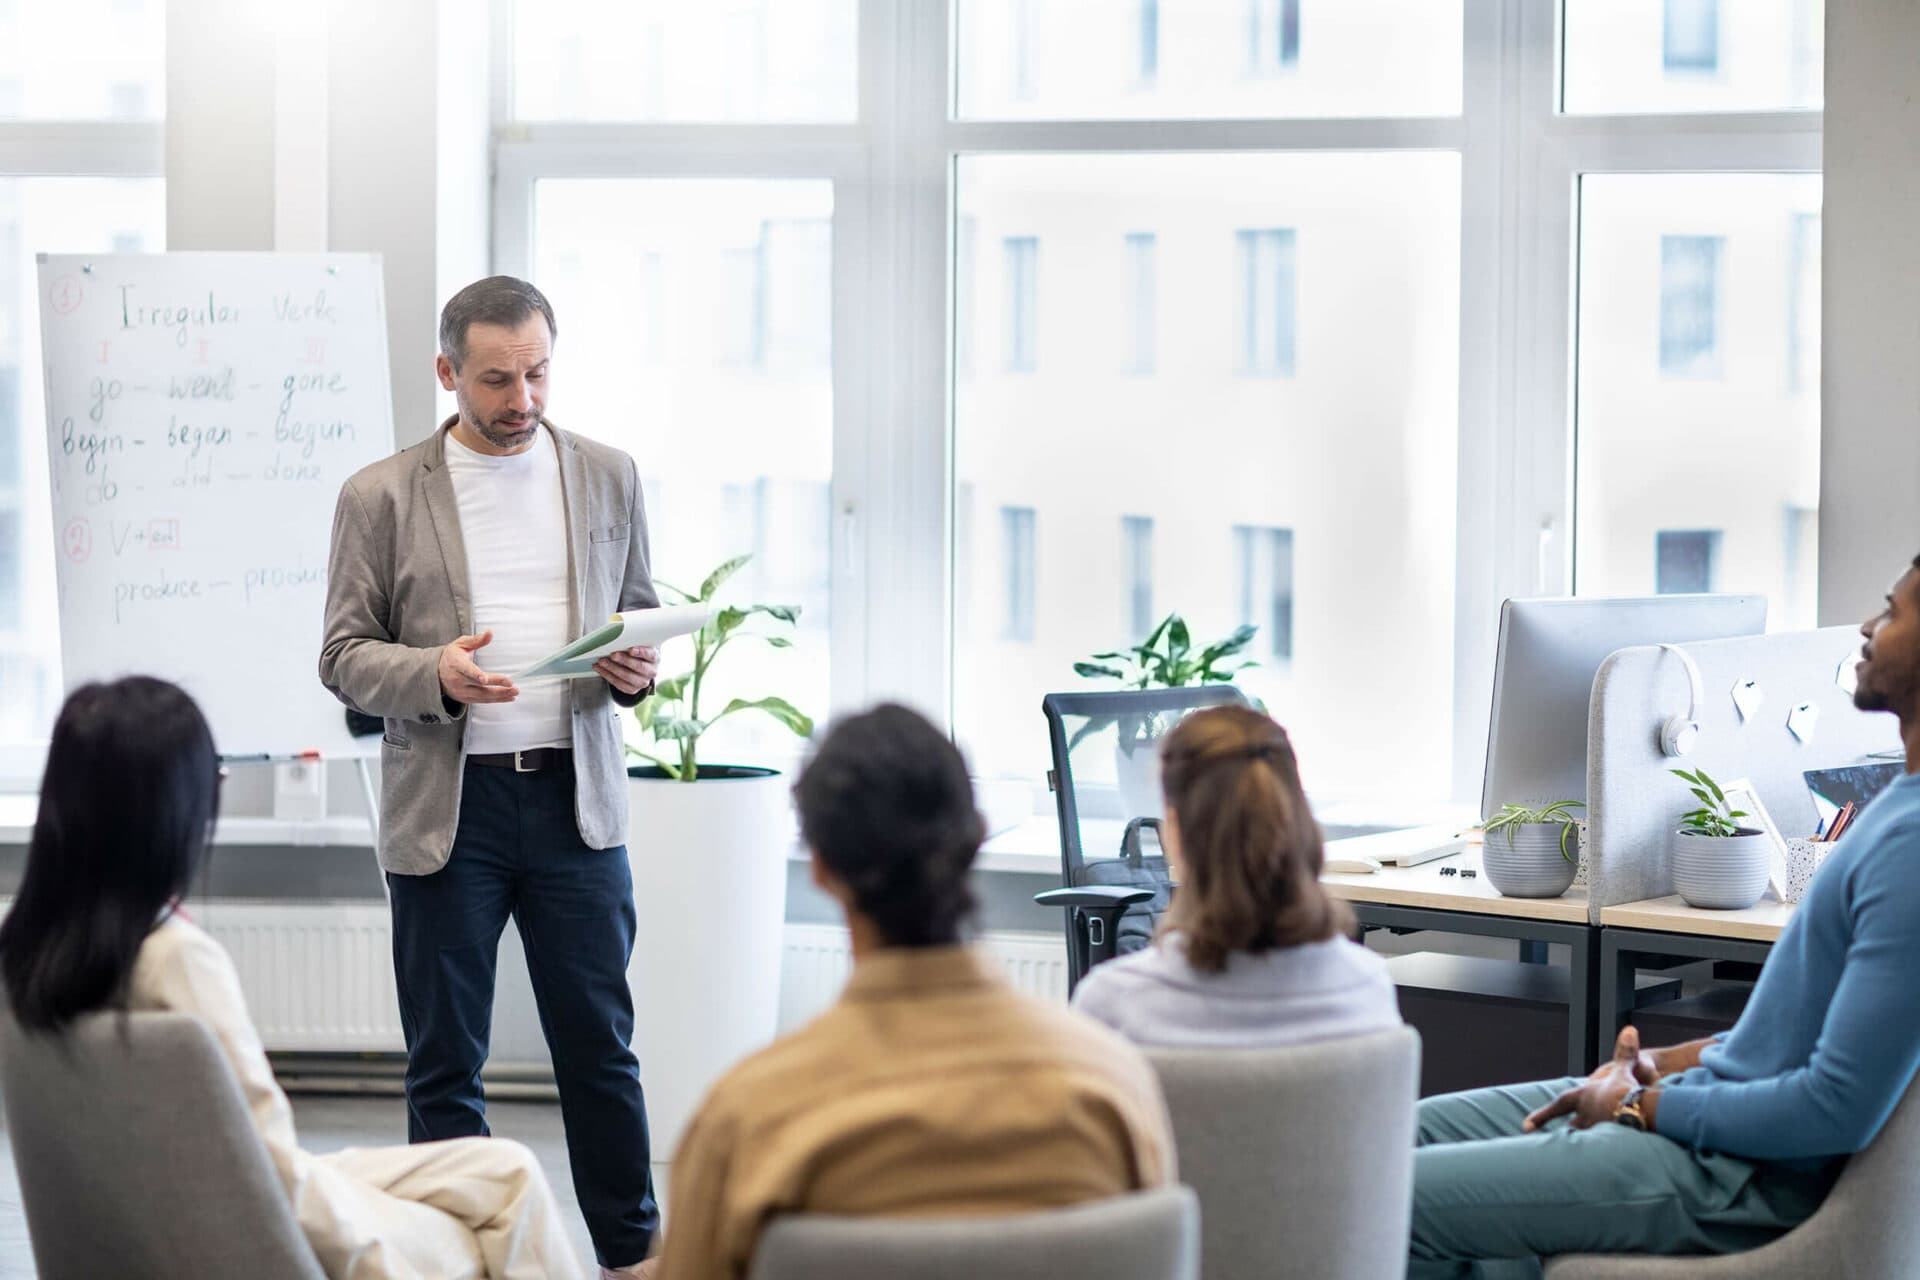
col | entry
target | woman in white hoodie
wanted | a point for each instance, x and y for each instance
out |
(1253, 952)
(127, 807)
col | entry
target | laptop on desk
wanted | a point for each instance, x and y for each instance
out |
(1408, 848)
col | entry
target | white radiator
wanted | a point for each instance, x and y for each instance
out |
(319, 977)
(817, 958)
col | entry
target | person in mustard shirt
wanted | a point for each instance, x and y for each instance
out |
(932, 1088)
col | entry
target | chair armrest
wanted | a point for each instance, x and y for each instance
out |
(1094, 896)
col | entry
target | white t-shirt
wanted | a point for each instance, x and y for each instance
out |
(513, 521)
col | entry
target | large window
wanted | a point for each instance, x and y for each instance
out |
(1115, 59)
(1649, 56)
(730, 418)
(1139, 483)
(1699, 434)
(1054, 317)
(745, 60)
(82, 60)
(94, 61)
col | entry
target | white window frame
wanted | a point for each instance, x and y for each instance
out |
(893, 171)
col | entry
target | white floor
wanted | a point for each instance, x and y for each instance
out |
(329, 1123)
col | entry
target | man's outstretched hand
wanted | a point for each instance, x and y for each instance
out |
(462, 679)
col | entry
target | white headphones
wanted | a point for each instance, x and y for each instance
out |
(1678, 734)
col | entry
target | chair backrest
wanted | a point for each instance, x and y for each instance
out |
(1150, 1235)
(136, 1155)
(1105, 778)
(1302, 1157)
(1869, 1217)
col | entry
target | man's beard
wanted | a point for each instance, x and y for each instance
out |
(499, 435)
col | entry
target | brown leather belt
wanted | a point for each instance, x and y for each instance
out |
(531, 761)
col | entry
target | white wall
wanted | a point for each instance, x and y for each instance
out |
(1870, 384)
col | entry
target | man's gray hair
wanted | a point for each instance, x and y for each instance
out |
(501, 300)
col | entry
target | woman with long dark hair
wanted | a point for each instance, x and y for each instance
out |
(1253, 951)
(127, 808)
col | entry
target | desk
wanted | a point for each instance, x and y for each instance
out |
(1634, 931)
(1421, 898)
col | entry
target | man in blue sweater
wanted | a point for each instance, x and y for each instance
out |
(1718, 1145)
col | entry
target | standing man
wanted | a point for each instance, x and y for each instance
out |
(473, 553)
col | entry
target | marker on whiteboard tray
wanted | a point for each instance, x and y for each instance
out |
(310, 754)
(257, 757)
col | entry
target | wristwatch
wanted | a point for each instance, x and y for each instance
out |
(1628, 1112)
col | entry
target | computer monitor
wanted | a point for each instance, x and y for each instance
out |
(1549, 652)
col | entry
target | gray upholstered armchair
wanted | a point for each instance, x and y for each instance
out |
(137, 1158)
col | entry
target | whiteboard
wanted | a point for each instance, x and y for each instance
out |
(203, 410)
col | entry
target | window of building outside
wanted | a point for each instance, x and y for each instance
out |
(1136, 557)
(1690, 35)
(1264, 558)
(1147, 64)
(1016, 539)
(1022, 256)
(1140, 301)
(1273, 35)
(1690, 305)
(1686, 560)
(1267, 301)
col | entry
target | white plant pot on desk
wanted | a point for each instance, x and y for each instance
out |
(1721, 873)
(709, 862)
(1525, 861)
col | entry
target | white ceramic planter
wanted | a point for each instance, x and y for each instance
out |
(1721, 873)
(709, 863)
(1530, 865)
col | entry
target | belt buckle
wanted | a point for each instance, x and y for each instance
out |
(518, 768)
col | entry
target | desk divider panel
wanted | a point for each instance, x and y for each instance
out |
(1634, 803)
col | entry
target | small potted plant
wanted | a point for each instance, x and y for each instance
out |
(707, 845)
(1532, 853)
(1718, 863)
(1166, 659)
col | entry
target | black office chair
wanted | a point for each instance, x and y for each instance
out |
(1106, 785)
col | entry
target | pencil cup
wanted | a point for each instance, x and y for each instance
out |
(1803, 859)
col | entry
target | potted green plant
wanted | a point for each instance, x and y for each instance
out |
(1718, 863)
(1166, 659)
(1532, 852)
(707, 844)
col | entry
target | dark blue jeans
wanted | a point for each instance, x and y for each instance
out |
(518, 853)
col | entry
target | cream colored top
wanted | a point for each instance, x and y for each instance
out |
(931, 1089)
(354, 1230)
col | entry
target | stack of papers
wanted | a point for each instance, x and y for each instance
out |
(651, 627)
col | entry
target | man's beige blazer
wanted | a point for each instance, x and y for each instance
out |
(398, 592)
